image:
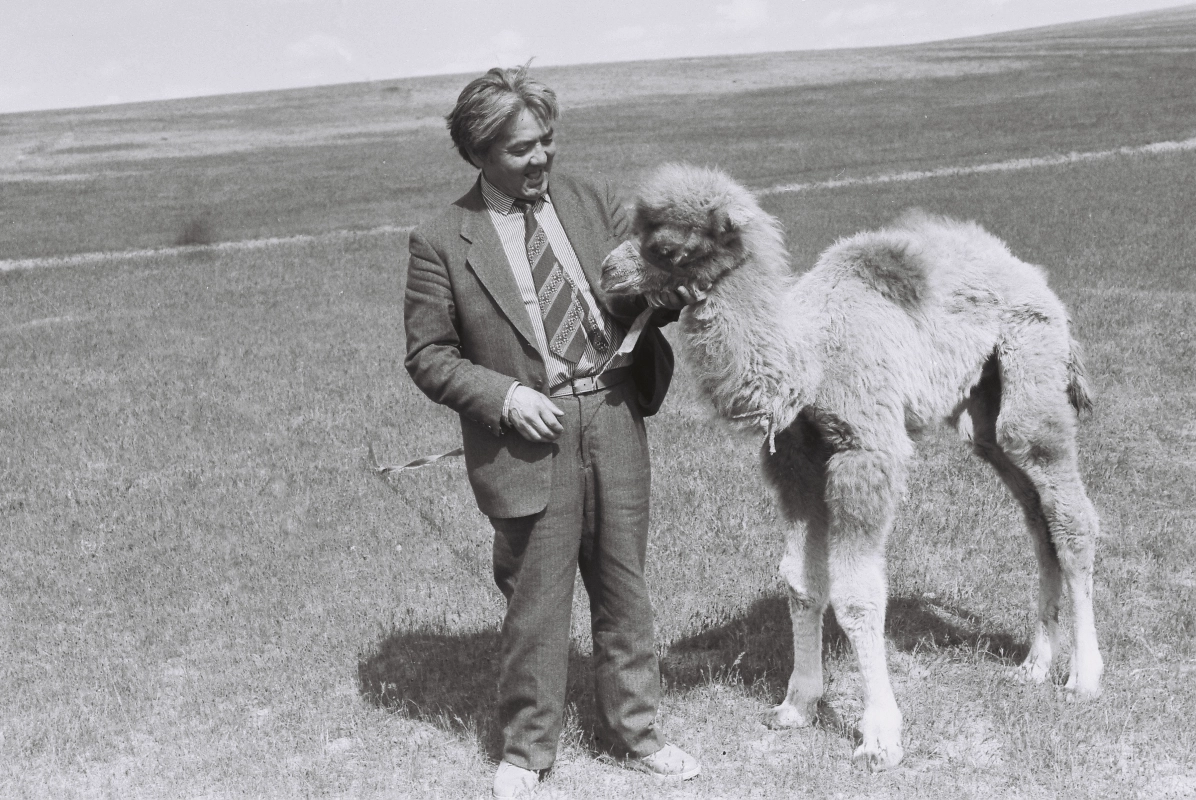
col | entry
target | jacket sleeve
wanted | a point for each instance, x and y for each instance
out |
(434, 358)
(619, 214)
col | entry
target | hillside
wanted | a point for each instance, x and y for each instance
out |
(364, 155)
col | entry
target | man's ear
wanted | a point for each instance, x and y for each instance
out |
(474, 158)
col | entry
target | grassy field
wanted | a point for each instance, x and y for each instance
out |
(205, 593)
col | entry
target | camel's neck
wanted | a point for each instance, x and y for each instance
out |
(742, 311)
(746, 341)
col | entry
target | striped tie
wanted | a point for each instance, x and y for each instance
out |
(566, 320)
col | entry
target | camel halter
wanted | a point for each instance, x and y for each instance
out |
(770, 428)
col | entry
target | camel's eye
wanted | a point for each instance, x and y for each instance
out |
(661, 250)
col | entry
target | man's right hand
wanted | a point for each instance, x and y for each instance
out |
(534, 416)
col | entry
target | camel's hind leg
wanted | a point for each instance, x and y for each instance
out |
(1027, 432)
(798, 473)
(863, 487)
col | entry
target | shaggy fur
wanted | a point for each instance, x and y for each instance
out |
(924, 321)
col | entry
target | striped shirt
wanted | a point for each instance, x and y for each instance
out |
(508, 222)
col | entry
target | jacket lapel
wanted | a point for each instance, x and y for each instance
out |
(578, 221)
(486, 257)
(591, 242)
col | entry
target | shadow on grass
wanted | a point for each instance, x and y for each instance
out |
(756, 648)
(450, 680)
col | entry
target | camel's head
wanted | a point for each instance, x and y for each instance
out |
(689, 223)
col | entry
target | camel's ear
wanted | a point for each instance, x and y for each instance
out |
(738, 217)
(722, 222)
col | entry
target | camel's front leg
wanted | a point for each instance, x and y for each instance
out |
(862, 493)
(804, 571)
(858, 596)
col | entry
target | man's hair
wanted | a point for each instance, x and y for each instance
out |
(487, 103)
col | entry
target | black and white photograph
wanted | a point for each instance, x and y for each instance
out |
(679, 399)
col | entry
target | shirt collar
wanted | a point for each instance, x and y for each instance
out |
(501, 202)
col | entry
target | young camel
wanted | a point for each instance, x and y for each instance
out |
(927, 320)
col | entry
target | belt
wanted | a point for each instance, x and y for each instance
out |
(606, 380)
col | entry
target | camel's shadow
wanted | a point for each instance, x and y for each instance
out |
(756, 648)
(449, 679)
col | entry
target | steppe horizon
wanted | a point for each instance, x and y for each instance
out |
(750, 27)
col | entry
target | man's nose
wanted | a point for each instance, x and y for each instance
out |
(539, 155)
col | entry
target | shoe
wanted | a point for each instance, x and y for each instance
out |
(669, 763)
(511, 781)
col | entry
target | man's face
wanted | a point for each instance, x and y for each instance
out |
(521, 158)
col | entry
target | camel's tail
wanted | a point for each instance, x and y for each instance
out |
(1078, 390)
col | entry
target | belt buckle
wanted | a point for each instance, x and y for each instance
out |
(586, 385)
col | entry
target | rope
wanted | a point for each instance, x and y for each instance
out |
(389, 469)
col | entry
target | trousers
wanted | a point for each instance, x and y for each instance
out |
(596, 522)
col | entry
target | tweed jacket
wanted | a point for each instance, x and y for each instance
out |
(469, 335)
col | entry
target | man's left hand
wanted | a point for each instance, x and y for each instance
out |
(676, 299)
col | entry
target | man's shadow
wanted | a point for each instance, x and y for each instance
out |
(449, 679)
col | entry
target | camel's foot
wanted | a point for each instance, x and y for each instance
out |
(1077, 688)
(1083, 679)
(1032, 670)
(787, 715)
(877, 756)
(880, 746)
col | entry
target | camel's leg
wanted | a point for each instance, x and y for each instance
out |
(984, 407)
(798, 473)
(1074, 524)
(1045, 644)
(1065, 526)
(804, 571)
(1028, 434)
(863, 487)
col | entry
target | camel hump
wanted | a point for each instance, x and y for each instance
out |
(898, 261)
(890, 265)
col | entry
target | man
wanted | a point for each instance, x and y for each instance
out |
(506, 324)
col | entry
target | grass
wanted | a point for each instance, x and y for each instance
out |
(206, 594)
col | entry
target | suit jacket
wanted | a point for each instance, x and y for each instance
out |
(469, 335)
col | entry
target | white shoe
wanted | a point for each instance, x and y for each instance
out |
(669, 763)
(511, 781)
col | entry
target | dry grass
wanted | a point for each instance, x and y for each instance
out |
(207, 593)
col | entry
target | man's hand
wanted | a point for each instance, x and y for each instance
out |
(676, 299)
(534, 416)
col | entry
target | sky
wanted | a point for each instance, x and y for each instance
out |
(66, 53)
